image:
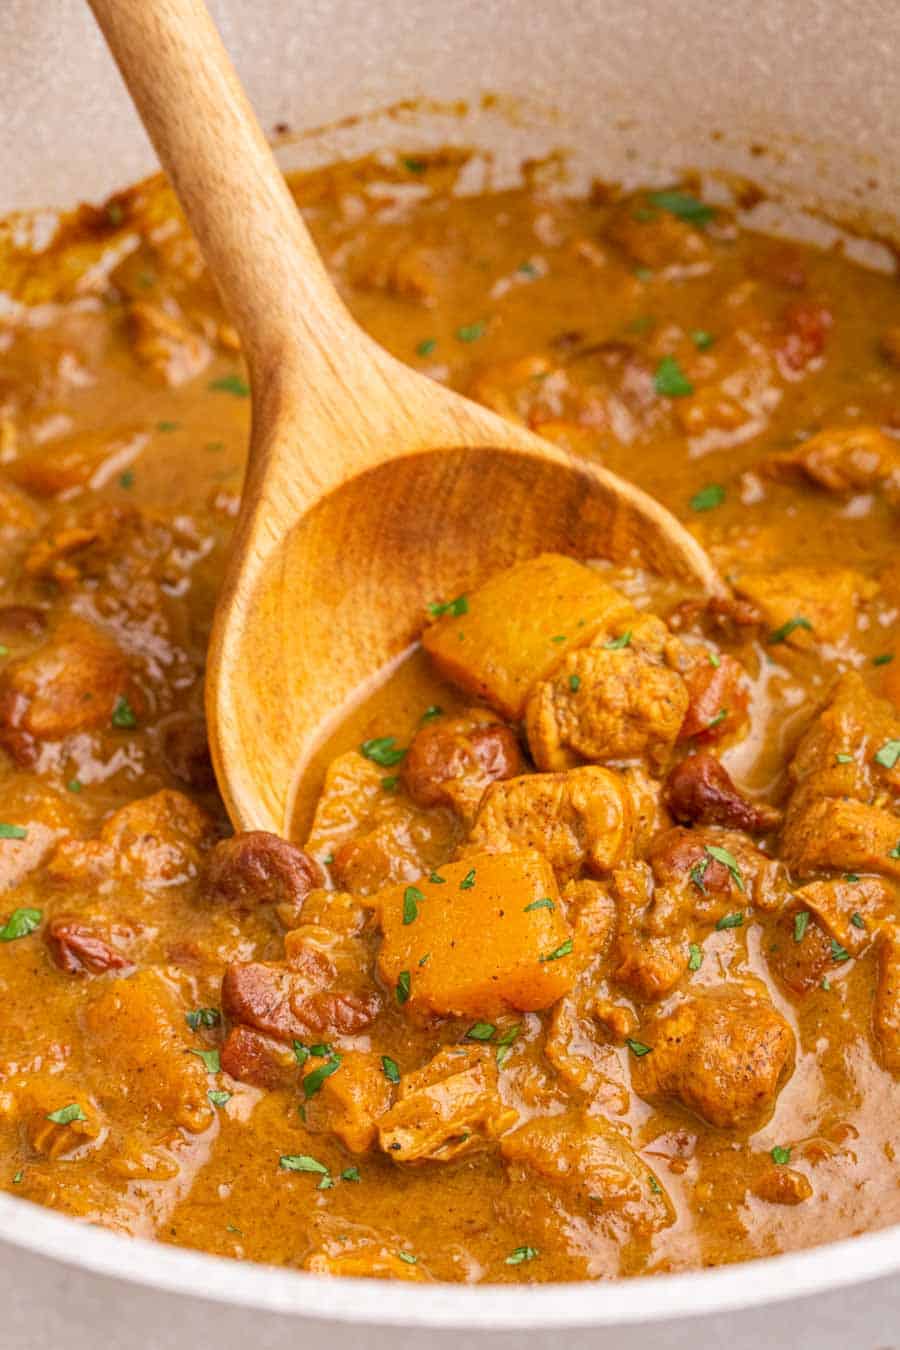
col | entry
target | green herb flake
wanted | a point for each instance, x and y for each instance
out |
(644, 273)
(390, 1068)
(721, 855)
(203, 1017)
(638, 1048)
(402, 990)
(320, 1050)
(437, 880)
(781, 1156)
(167, 426)
(544, 903)
(717, 720)
(695, 959)
(408, 1258)
(801, 923)
(123, 714)
(8, 831)
(390, 784)
(826, 984)
(471, 332)
(697, 873)
(857, 920)
(430, 713)
(852, 877)
(422, 959)
(382, 750)
(838, 953)
(412, 898)
(350, 1174)
(18, 1177)
(714, 659)
(301, 1053)
(617, 643)
(564, 949)
(413, 165)
(20, 923)
(74, 785)
(884, 659)
(505, 1044)
(313, 1081)
(708, 498)
(527, 269)
(66, 1114)
(843, 759)
(302, 1162)
(522, 1254)
(4, 650)
(888, 755)
(702, 340)
(784, 632)
(574, 683)
(426, 346)
(218, 1097)
(481, 1031)
(683, 205)
(456, 607)
(468, 881)
(114, 213)
(126, 480)
(328, 860)
(670, 380)
(210, 1059)
(734, 920)
(230, 384)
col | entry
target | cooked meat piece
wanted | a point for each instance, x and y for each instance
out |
(186, 751)
(651, 949)
(887, 998)
(722, 1055)
(452, 760)
(654, 237)
(338, 910)
(782, 1186)
(699, 790)
(479, 940)
(162, 340)
(255, 868)
(838, 755)
(447, 1109)
(251, 1057)
(519, 625)
(581, 818)
(80, 948)
(159, 840)
(72, 682)
(843, 460)
(138, 1035)
(801, 337)
(825, 601)
(351, 1102)
(612, 702)
(716, 870)
(800, 953)
(24, 620)
(840, 835)
(718, 698)
(849, 909)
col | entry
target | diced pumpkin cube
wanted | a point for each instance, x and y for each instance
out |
(480, 941)
(519, 625)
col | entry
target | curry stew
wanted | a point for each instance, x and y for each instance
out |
(585, 959)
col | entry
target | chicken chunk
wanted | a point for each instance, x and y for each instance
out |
(163, 341)
(519, 625)
(585, 817)
(477, 939)
(724, 1056)
(835, 834)
(805, 606)
(451, 761)
(447, 1109)
(616, 700)
(653, 236)
(351, 1102)
(843, 460)
(158, 840)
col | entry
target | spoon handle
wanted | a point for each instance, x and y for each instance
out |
(271, 278)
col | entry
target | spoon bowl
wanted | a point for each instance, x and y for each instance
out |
(370, 490)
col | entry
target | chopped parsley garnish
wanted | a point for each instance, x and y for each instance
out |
(114, 213)
(884, 659)
(203, 1017)
(616, 644)
(683, 205)
(780, 1155)
(574, 683)
(382, 750)
(654, 1185)
(721, 855)
(527, 269)
(437, 880)
(468, 881)
(123, 714)
(412, 898)
(328, 860)
(350, 1174)
(638, 1048)
(320, 1050)
(844, 759)
(301, 1054)
(505, 1043)
(455, 607)
(231, 384)
(544, 903)
(697, 873)
(718, 719)
(801, 923)
(167, 426)
(302, 1162)
(413, 165)
(826, 984)
(18, 1177)
(313, 1081)
(784, 632)
(851, 877)
(481, 1031)
(390, 1068)
(701, 339)
(895, 851)
(219, 1097)
(708, 497)
(210, 1059)
(423, 959)
(431, 712)
(471, 332)
(126, 479)
(857, 920)
(838, 953)
(408, 1258)
(888, 755)
(74, 785)
(390, 784)
(402, 989)
(695, 959)
(714, 659)
(20, 923)
(734, 920)
(8, 831)
(670, 380)
(66, 1114)
(522, 1254)
(426, 346)
(564, 949)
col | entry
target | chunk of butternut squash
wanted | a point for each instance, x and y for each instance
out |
(488, 936)
(519, 625)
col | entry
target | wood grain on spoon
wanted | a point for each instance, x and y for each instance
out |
(370, 490)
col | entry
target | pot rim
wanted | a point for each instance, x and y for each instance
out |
(274, 1289)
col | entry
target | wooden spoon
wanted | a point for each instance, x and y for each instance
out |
(370, 489)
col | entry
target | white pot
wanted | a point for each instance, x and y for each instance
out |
(802, 98)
